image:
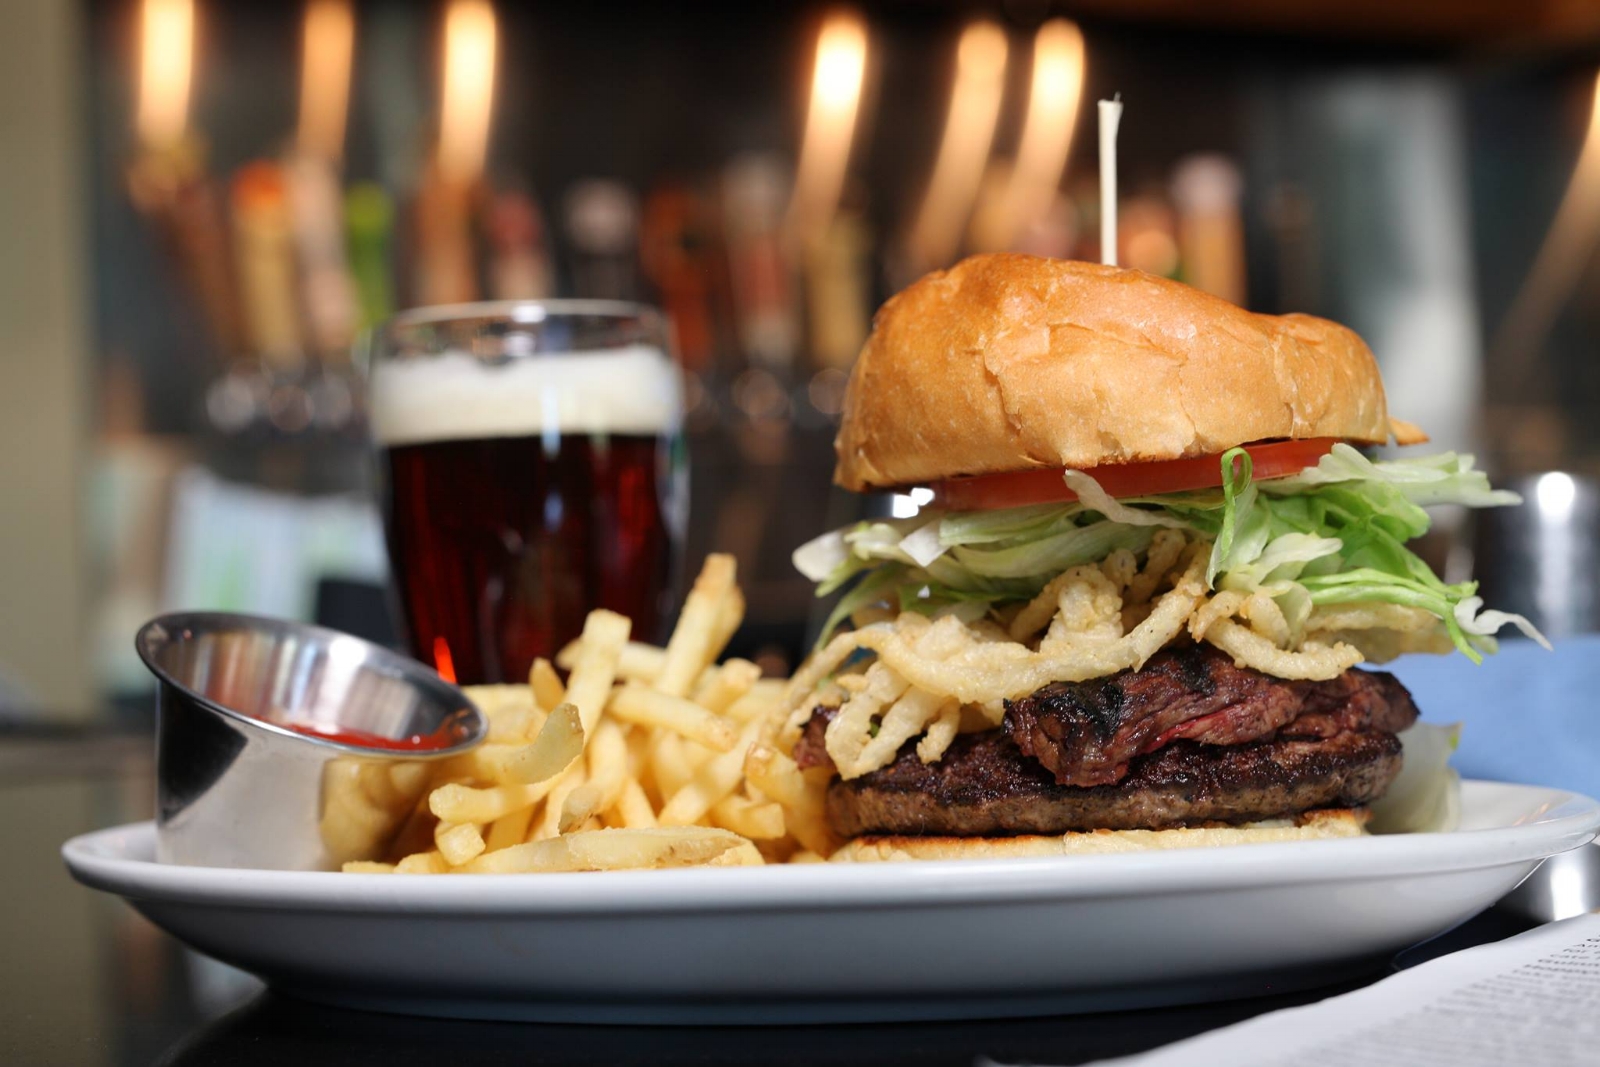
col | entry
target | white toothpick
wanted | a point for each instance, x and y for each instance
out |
(1110, 117)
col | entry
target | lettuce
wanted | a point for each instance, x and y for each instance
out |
(1331, 534)
(1426, 796)
(1054, 554)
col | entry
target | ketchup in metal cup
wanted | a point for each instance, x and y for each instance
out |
(443, 737)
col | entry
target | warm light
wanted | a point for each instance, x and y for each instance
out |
(968, 133)
(1562, 258)
(1053, 96)
(830, 124)
(165, 64)
(330, 32)
(443, 662)
(469, 45)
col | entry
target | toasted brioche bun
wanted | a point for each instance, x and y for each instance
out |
(1010, 362)
(1311, 826)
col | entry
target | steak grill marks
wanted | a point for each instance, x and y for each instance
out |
(1085, 733)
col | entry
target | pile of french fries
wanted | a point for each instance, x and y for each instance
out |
(645, 757)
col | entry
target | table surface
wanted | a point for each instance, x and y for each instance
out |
(84, 980)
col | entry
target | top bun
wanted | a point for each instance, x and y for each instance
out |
(1011, 362)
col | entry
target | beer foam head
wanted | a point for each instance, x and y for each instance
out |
(456, 397)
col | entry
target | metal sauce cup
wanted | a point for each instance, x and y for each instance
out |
(290, 747)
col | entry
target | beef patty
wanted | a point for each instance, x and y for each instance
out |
(1086, 733)
(985, 787)
(1266, 748)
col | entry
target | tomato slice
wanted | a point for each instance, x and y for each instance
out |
(1016, 488)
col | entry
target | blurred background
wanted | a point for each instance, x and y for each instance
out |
(205, 202)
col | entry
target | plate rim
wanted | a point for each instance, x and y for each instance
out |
(1566, 820)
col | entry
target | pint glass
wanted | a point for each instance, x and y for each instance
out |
(530, 470)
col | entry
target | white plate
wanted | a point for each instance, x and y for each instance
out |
(847, 942)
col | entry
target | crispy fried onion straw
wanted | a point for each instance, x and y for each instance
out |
(1005, 670)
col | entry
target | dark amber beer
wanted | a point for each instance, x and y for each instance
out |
(520, 494)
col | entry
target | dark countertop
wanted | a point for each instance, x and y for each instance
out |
(85, 980)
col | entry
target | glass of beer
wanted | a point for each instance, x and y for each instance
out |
(531, 469)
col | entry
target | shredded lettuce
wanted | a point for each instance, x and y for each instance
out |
(1335, 533)
(1426, 795)
(1053, 554)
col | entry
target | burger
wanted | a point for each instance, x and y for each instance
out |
(1152, 556)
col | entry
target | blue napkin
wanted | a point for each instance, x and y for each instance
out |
(1527, 715)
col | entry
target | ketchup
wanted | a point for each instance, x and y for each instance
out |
(443, 737)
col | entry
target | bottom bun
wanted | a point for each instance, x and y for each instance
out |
(1319, 825)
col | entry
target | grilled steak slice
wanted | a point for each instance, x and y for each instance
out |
(1086, 733)
(984, 786)
(1355, 700)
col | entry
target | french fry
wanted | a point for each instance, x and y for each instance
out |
(558, 744)
(462, 803)
(726, 684)
(669, 765)
(694, 640)
(379, 787)
(608, 769)
(488, 764)
(758, 820)
(779, 778)
(635, 703)
(744, 854)
(458, 843)
(352, 825)
(495, 700)
(638, 662)
(764, 698)
(633, 807)
(640, 743)
(710, 784)
(422, 863)
(510, 829)
(509, 709)
(589, 684)
(415, 833)
(367, 867)
(548, 692)
(411, 777)
(549, 822)
(729, 616)
(515, 725)
(611, 850)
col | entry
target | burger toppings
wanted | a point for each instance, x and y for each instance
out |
(1105, 631)
(1332, 537)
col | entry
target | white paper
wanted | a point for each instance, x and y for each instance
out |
(1532, 999)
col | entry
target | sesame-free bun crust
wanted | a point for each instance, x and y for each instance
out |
(1320, 825)
(1010, 362)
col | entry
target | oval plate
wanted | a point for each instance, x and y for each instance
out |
(849, 942)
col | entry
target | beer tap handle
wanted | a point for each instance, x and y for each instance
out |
(369, 229)
(263, 245)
